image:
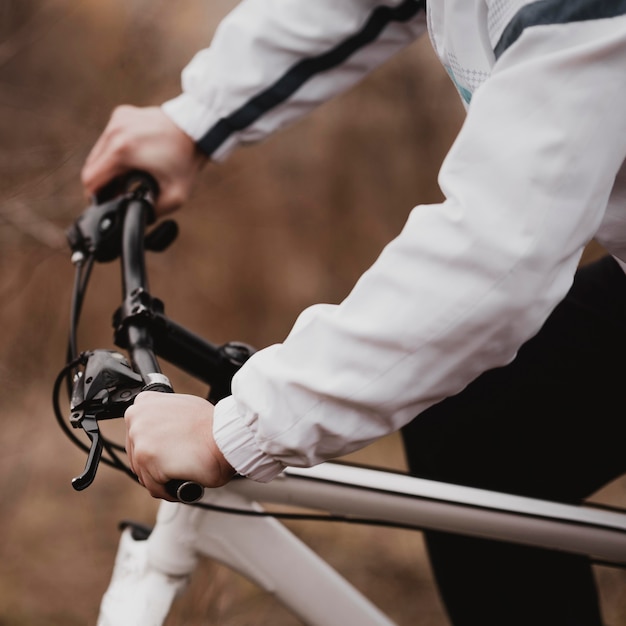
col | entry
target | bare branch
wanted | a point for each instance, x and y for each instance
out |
(23, 218)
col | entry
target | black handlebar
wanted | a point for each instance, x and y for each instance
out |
(139, 339)
(115, 226)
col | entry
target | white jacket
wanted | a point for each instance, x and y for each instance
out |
(533, 176)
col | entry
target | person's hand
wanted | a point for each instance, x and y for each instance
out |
(145, 139)
(170, 436)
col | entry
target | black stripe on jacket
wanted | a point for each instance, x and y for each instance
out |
(303, 71)
(544, 12)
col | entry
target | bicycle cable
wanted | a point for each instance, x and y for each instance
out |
(84, 265)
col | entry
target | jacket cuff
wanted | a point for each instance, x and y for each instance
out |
(194, 118)
(238, 445)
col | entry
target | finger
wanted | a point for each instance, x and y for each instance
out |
(120, 117)
(97, 148)
(134, 467)
(100, 172)
(106, 160)
(146, 398)
(142, 469)
(128, 443)
(146, 480)
(93, 161)
(155, 487)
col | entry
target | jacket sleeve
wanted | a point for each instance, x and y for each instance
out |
(272, 61)
(467, 281)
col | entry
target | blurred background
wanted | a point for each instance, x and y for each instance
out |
(274, 229)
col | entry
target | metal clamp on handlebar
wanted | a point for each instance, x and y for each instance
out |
(138, 307)
(158, 382)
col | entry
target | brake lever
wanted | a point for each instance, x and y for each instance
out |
(90, 425)
(104, 390)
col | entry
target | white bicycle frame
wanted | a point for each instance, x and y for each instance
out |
(148, 574)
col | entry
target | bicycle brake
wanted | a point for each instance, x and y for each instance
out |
(103, 390)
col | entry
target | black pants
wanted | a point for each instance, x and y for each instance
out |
(552, 424)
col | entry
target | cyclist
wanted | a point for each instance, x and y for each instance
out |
(474, 319)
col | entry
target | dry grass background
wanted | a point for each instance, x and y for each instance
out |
(276, 228)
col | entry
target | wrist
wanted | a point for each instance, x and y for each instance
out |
(225, 471)
(238, 445)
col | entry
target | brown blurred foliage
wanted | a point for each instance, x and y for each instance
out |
(275, 228)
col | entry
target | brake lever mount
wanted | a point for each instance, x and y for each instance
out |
(97, 232)
(103, 390)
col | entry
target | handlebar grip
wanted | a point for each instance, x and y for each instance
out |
(185, 491)
(127, 183)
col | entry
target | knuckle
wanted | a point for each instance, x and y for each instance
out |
(139, 399)
(120, 142)
(122, 111)
(129, 414)
(173, 197)
(142, 456)
(85, 176)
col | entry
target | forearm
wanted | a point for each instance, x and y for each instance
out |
(273, 61)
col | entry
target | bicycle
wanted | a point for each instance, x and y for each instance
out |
(229, 524)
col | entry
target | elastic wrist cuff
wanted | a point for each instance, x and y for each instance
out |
(238, 445)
